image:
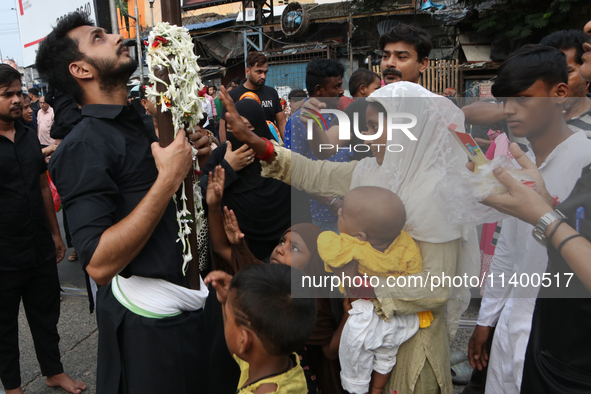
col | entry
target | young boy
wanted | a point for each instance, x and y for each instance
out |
(264, 326)
(532, 84)
(371, 242)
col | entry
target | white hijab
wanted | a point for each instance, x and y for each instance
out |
(413, 173)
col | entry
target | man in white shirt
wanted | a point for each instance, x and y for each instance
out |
(532, 83)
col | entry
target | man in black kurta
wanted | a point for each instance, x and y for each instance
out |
(30, 244)
(116, 186)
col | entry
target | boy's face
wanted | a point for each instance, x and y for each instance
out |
(532, 110)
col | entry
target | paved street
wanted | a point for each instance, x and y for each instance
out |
(79, 335)
(78, 332)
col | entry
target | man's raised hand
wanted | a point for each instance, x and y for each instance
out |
(174, 161)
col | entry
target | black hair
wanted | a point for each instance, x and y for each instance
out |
(58, 51)
(8, 75)
(254, 59)
(527, 65)
(319, 69)
(297, 95)
(263, 297)
(237, 80)
(411, 34)
(34, 91)
(361, 76)
(567, 39)
(214, 88)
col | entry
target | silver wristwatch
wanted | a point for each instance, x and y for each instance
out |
(539, 232)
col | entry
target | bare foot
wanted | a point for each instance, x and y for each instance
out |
(67, 383)
(15, 391)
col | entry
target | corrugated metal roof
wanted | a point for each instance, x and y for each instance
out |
(205, 25)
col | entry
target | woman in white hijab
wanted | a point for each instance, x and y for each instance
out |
(423, 361)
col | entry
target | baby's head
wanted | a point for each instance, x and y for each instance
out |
(372, 214)
(261, 315)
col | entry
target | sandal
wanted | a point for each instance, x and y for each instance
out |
(458, 356)
(461, 373)
(73, 257)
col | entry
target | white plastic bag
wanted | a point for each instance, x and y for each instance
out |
(458, 194)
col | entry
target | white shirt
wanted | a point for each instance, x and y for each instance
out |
(511, 308)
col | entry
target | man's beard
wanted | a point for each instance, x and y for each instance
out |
(256, 82)
(11, 116)
(111, 76)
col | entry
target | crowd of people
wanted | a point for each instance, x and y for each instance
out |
(290, 196)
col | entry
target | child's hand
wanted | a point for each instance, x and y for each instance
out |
(235, 236)
(221, 283)
(215, 187)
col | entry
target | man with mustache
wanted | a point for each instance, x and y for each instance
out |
(30, 246)
(405, 53)
(256, 75)
(117, 185)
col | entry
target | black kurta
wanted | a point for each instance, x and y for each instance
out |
(28, 270)
(25, 238)
(103, 170)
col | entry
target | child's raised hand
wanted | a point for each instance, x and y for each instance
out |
(220, 281)
(235, 236)
(215, 187)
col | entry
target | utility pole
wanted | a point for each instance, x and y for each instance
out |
(152, 11)
(113, 12)
(137, 38)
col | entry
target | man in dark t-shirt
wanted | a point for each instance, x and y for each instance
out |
(256, 74)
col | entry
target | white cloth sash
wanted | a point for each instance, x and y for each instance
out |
(157, 298)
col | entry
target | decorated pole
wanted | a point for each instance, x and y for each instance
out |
(174, 86)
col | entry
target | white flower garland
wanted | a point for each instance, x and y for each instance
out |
(182, 99)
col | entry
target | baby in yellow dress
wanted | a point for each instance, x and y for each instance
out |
(371, 242)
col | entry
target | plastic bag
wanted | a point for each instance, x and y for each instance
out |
(458, 194)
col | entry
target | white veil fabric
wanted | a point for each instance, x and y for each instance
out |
(413, 173)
